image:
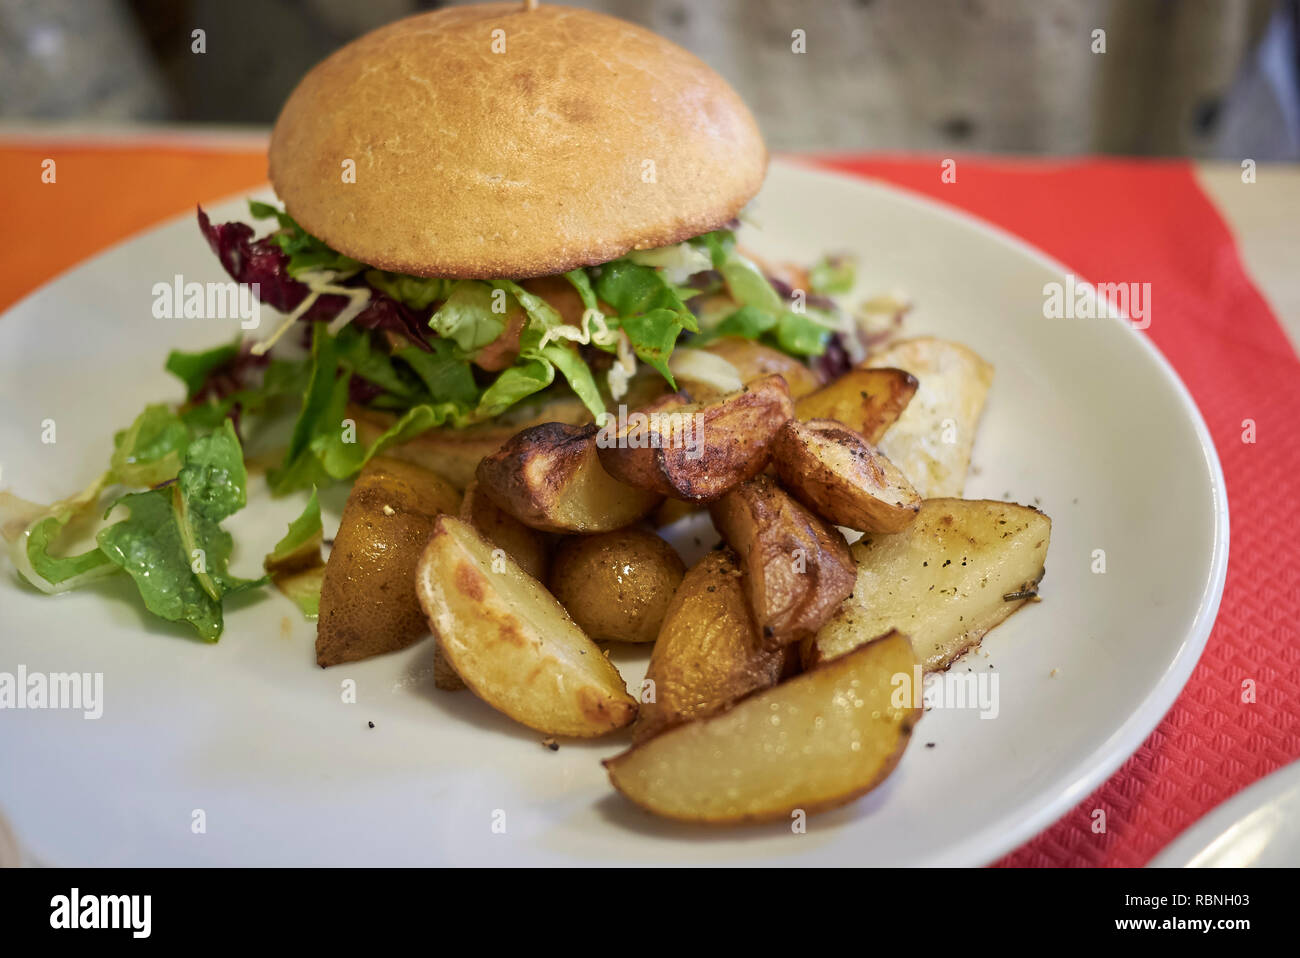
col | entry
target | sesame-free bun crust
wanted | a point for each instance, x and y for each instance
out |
(586, 138)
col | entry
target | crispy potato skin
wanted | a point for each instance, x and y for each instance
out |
(797, 567)
(368, 604)
(709, 651)
(866, 400)
(526, 546)
(455, 454)
(755, 361)
(511, 643)
(954, 382)
(444, 674)
(723, 443)
(550, 477)
(738, 766)
(617, 585)
(945, 578)
(837, 474)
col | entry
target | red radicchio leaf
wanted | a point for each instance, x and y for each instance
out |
(263, 262)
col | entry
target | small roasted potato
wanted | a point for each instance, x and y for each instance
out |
(837, 474)
(709, 652)
(617, 585)
(550, 477)
(867, 400)
(797, 567)
(932, 440)
(960, 569)
(699, 451)
(511, 643)
(526, 546)
(454, 453)
(812, 743)
(753, 360)
(367, 600)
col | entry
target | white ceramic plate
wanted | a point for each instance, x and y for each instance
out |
(1256, 828)
(1085, 419)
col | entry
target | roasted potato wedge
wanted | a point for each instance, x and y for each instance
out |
(754, 361)
(367, 601)
(617, 585)
(511, 643)
(526, 546)
(444, 676)
(812, 743)
(699, 451)
(550, 477)
(867, 400)
(837, 474)
(932, 439)
(797, 567)
(709, 652)
(961, 568)
(455, 454)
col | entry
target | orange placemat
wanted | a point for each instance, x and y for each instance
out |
(100, 195)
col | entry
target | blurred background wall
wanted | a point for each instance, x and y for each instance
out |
(1205, 78)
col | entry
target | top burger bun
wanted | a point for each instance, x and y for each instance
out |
(586, 138)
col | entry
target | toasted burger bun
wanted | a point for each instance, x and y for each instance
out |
(586, 138)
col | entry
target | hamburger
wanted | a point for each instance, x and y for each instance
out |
(488, 217)
(493, 207)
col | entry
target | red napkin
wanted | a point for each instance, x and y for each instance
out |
(1108, 219)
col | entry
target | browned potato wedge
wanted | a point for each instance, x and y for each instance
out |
(444, 676)
(932, 439)
(617, 585)
(367, 601)
(526, 546)
(755, 361)
(836, 473)
(550, 477)
(812, 743)
(454, 454)
(959, 570)
(868, 400)
(709, 652)
(511, 643)
(699, 451)
(797, 568)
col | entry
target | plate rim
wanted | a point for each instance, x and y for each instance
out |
(1183, 850)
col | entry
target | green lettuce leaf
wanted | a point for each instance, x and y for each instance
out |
(513, 384)
(324, 445)
(305, 251)
(30, 548)
(748, 322)
(800, 335)
(414, 291)
(193, 368)
(445, 373)
(172, 544)
(149, 451)
(467, 317)
(832, 275)
(295, 564)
